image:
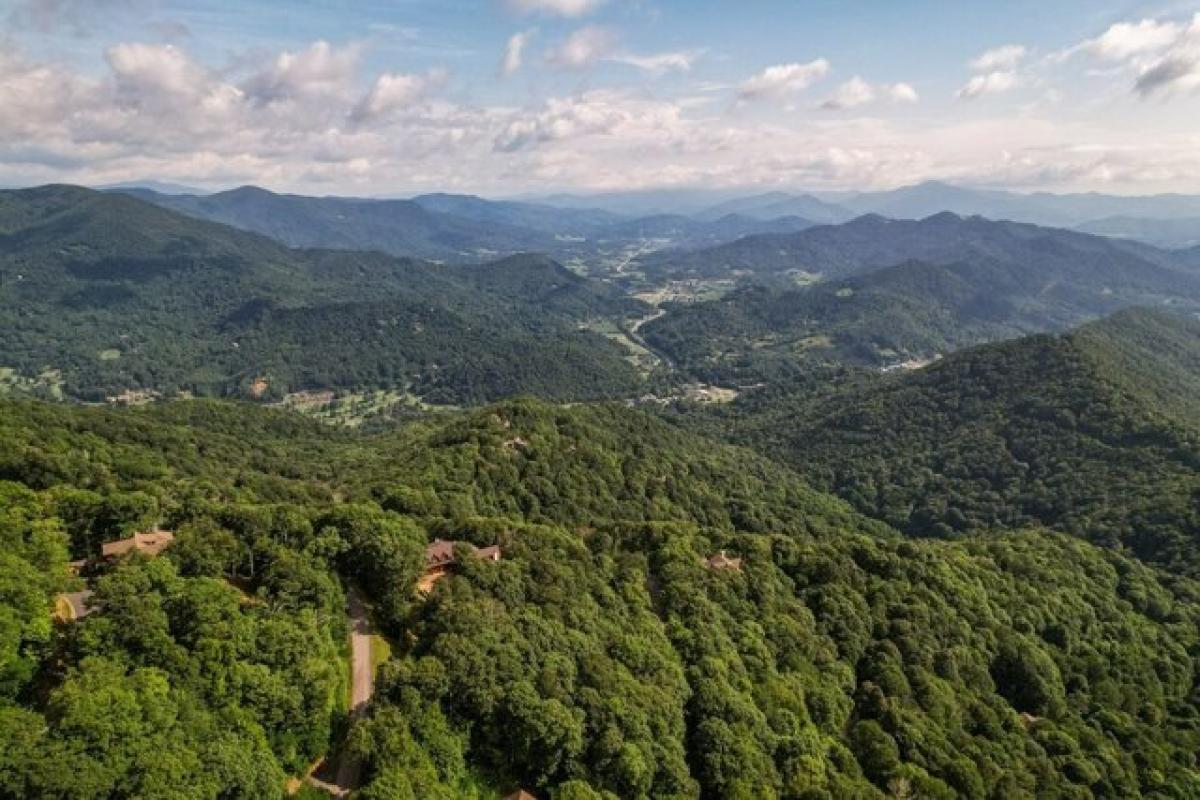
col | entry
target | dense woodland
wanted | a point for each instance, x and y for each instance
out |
(1094, 432)
(599, 658)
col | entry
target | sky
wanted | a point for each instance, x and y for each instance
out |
(512, 97)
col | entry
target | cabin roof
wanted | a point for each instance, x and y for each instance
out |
(151, 543)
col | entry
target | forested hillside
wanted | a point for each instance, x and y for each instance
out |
(977, 281)
(1094, 432)
(103, 294)
(399, 227)
(872, 241)
(600, 657)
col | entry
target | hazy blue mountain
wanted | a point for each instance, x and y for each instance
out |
(931, 197)
(399, 227)
(161, 187)
(872, 241)
(1170, 233)
(774, 205)
(644, 203)
(535, 216)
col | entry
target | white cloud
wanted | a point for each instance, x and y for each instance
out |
(1162, 56)
(903, 93)
(583, 48)
(316, 120)
(1126, 40)
(595, 113)
(680, 61)
(857, 92)
(990, 83)
(321, 70)
(783, 79)
(394, 92)
(514, 52)
(1177, 70)
(999, 59)
(160, 69)
(558, 8)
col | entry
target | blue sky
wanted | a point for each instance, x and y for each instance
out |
(512, 96)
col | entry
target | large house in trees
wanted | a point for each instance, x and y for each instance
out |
(440, 561)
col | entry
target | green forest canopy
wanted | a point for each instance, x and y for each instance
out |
(599, 658)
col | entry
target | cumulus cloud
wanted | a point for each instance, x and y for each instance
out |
(999, 59)
(783, 79)
(989, 83)
(558, 8)
(1126, 40)
(321, 70)
(1177, 70)
(595, 113)
(514, 52)
(316, 120)
(1162, 56)
(857, 92)
(394, 92)
(583, 48)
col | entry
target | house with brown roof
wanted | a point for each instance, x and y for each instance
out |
(150, 543)
(520, 794)
(440, 560)
(723, 561)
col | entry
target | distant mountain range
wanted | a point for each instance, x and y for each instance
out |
(833, 251)
(1168, 220)
(460, 228)
(399, 227)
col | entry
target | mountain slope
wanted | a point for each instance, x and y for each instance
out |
(870, 242)
(115, 294)
(399, 227)
(532, 216)
(1041, 208)
(773, 205)
(601, 653)
(1094, 432)
(1170, 233)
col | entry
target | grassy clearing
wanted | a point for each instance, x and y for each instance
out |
(352, 409)
(47, 385)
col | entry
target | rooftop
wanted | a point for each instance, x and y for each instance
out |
(151, 543)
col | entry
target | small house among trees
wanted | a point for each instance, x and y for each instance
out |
(440, 560)
(150, 543)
